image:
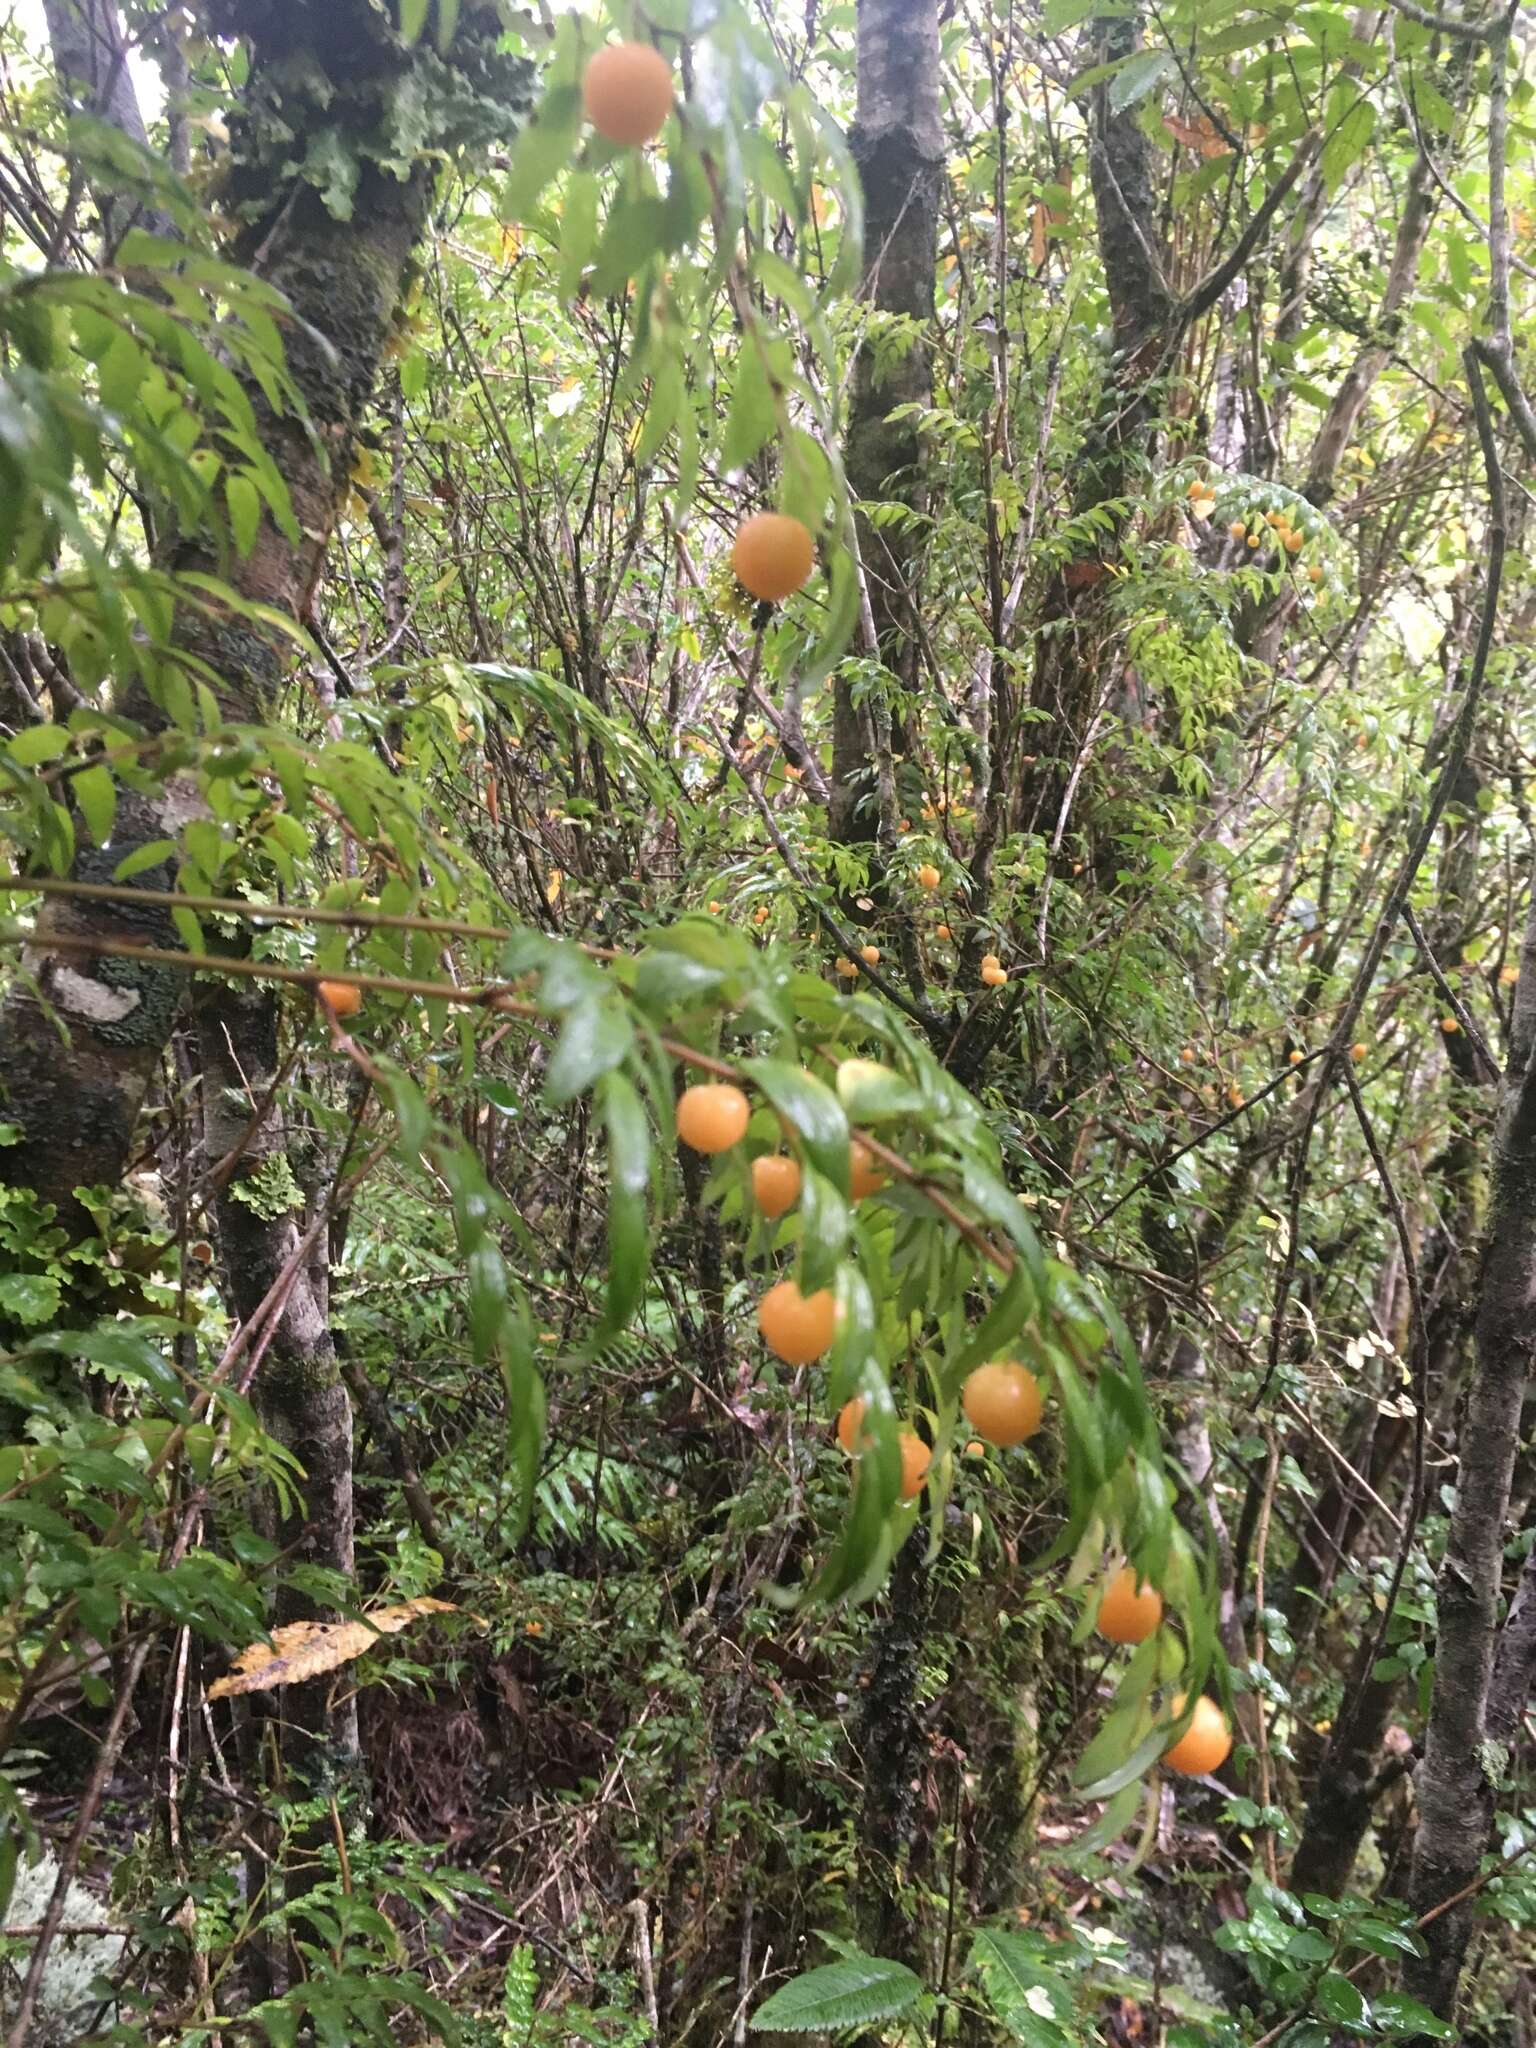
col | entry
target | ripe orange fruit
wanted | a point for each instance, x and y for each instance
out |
(1187, 1056)
(845, 967)
(712, 1116)
(1294, 542)
(343, 998)
(773, 555)
(975, 1448)
(1448, 1025)
(1002, 1402)
(928, 876)
(864, 1177)
(989, 960)
(797, 1327)
(915, 1460)
(1205, 1744)
(1129, 1610)
(626, 91)
(1294, 1056)
(994, 977)
(775, 1183)
(943, 932)
(1253, 540)
(1358, 1051)
(1316, 572)
(1237, 529)
(850, 1419)
(871, 954)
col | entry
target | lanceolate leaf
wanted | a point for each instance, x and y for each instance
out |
(850, 1993)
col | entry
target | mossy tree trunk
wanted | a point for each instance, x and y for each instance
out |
(898, 144)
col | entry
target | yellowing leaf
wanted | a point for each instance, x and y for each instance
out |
(305, 1649)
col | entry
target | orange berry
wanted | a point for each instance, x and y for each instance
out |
(1235, 1095)
(994, 977)
(845, 967)
(850, 1419)
(716, 908)
(1315, 573)
(760, 915)
(864, 1177)
(797, 1327)
(1508, 976)
(928, 876)
(773, 555)
(1205, 1744)
(1294, 542)
(1358, 1051)
(1449, 1025)
(1187, 1056)
(870, 954)
(1237, 529)
(712, 1116)
(343, 998)
(1197, 489)
(775, 1183)
(943, 932)
(989, 960)
(1129, 1610)
(1002, 1402)
(915, 1460)
(975, 1448)
(626, 91)
(1294, 1056)
(1253, 540)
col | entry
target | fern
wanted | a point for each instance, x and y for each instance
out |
(522, 1987)
(843, 1994)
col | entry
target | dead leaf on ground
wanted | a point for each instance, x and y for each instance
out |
(305, 1649)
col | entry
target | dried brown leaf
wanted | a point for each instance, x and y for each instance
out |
(304, 1649)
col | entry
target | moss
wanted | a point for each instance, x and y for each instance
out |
(149, 1022)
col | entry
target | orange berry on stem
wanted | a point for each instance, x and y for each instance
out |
(864, 1177)
(943, 932)
(928, 876)
(773, 555)
(915, 1460)
(343, 998)
(775, 1182)
(1002, 1402)
(626, 91)
(712, 1116)
(1205, 1744)
(850, 1420)
(1129, 1610)
(797, 1327)
(870, 955)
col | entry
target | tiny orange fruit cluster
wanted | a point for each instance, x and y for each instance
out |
(993, 972)
(626, 92)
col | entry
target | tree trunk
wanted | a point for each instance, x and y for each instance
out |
(1454, 1782)
(898, 144)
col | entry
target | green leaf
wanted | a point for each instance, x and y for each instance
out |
(629, 1174)
(845, 1994)
(596, 1036)
(1395, 2013)
(1029, 1998)
(30, 1297)
(1337, 1999)
(413, 19)
(543, 148)
(96, 794)
(244, 504)
(487, 1275)
(813, 1112)
(1136, 77)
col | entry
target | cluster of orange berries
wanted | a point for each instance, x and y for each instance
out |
(1002, 1400)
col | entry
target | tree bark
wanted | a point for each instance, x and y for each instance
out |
(1455, 1781)
(898, 145)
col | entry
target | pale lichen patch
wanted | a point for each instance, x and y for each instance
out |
(87, 997)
